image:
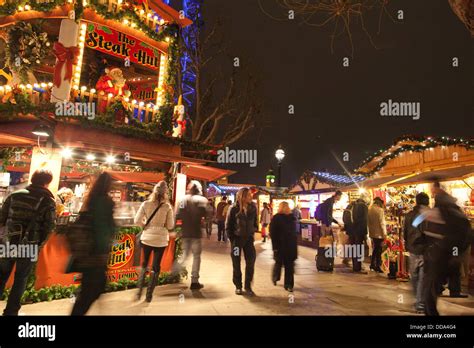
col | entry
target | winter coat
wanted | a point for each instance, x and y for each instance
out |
(103, 226)
(298, 217)
(220, 213)
(376, 222)
(265, 217)
(156, 232)
(19, 209)
(192, 210)
(327, 211)
(415, 240)
(283, 236)
(240, 225)
(359, 217)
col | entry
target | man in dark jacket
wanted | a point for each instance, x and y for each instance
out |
(415, 243)
(191, 211)
(28, 216)
(358, 233)
(327, 213)
(221, 219)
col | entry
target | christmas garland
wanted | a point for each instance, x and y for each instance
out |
(430, 142)
(26, 49)
(131, 15)
(11, 7)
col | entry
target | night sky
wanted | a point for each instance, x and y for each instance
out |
(338, 108)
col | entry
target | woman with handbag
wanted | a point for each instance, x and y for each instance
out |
(157, 219)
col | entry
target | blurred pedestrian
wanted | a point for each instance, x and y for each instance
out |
(100, 208)
(241, 225)
(377, 232)
(192, 210)
(157, 219)
(283, 234)
(448, 234)
(28, 216)
(265, 218)
(415, 242)
(221, 219)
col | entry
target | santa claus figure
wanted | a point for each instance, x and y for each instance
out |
(113, 82)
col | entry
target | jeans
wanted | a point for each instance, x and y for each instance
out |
(289, 272)
(239, 245)
(416, 275)
(209, 228)
(221, 230)
(358, 244)
(22, 271)
(157, 256)
(376, 260)
(435, 266)
(194, 246)
(92, 286)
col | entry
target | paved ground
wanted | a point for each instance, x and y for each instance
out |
(339, 293)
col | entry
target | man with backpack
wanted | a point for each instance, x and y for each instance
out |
(28, 216)
(324, 213)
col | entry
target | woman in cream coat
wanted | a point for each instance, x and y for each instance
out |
(157, 219)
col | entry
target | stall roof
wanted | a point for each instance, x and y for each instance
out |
(441, 175)
(232, 188)
(374, 182)
(207, 173)
(137, 177)
(314, 182)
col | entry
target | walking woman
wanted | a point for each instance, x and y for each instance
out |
(240, 227)
(156, 217)
(283, 234)
(265, 218)
(99, 207)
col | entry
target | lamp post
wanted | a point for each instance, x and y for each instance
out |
(280, 155)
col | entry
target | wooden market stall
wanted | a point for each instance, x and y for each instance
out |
(312, 189)
(92, 86)
(398, 173)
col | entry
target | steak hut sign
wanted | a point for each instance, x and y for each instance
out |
(107, 40)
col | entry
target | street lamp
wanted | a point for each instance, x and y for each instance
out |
(280, 155)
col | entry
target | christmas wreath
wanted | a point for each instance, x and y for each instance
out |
(27, 48)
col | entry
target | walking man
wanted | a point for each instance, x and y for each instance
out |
(221, 219)
(28, 216)
(192, 210)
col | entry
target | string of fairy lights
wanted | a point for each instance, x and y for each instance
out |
(425, 143)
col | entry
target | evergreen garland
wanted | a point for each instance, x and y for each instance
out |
(26, 49)
(429, 143)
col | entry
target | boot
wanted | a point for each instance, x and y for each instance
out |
(140, 283)
(151, 286)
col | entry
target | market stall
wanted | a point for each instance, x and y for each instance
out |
(312, 189)
(398, 173)
(95, 89)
